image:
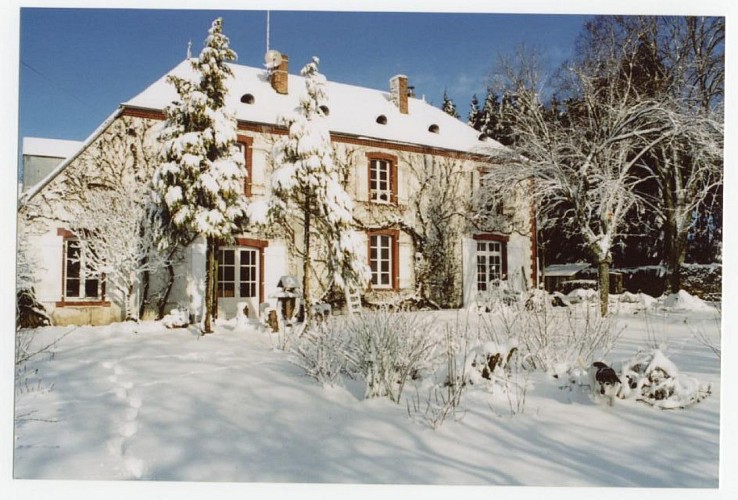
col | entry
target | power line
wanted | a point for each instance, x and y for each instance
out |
(56, 85)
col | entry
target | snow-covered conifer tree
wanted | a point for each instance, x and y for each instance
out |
(307, 190)
(448, 105)
(474, 119)
(200, 180)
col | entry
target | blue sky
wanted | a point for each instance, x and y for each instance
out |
(77, 65)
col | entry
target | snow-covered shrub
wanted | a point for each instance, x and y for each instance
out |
(684, 301)
(710, 337)
(319, 351)
(489, 361)
(656, 380)
(177, 318)
(582, 295)
(569, 286)
(443, 397)
(497, 295)
(557, 340)
(387, 348)
(29, 312)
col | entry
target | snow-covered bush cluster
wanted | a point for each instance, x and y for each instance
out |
(653, 378)
(493, 354)
(320, 352)
(554, 340)
(383, 348)
(489, 361)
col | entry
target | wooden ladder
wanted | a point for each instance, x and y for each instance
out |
(353, 301)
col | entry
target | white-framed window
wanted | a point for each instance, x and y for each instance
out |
(382, 179)
(381, 260)
(489, 263)
(80, 281)
(237, 272)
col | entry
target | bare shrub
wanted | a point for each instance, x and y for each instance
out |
(558, 340)
(387, 348)
(443, 398)
(319, 351)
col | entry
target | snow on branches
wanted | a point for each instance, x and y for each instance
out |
(306, 187)
(199, 183)
(200, 180)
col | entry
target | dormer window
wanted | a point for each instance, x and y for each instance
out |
(325, 109)
(433, 129)
(382, 120)
(247, 98)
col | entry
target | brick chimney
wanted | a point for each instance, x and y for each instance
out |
(399, 92)
(278, 77)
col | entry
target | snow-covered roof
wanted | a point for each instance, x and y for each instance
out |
(52, 148)
(564, 269)
(353, 110)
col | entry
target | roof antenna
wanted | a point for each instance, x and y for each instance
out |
(189, 49)
(267, 33)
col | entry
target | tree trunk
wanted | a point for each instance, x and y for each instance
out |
(131, 306)
(676, 249)
(306, 264)
(162, 303)
(207, 326)
(603, 283)
(145, 285)
(214, 274)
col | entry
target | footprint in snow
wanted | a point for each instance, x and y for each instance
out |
(129, 429)
(131, 413)
(115, 446)
(135, 466)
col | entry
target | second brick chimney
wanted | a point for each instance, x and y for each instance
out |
(399, 92)
(278, 77)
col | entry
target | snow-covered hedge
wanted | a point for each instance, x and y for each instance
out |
(702, 280)
(654, 379)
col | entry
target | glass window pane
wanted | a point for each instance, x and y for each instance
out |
(72, 287)
(92, 288)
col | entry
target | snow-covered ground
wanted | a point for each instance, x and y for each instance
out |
(139, 401)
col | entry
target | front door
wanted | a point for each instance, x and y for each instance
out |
(238, 281)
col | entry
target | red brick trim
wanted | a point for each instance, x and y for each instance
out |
(395, 234)
(251, 242)
(151, 114)
(392, 160)
(248, 157)
(491, 237)
(65, 233)
(82, 303)
(266, 128)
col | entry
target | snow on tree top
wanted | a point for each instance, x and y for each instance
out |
(353, 110)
